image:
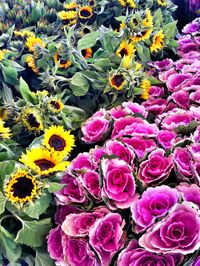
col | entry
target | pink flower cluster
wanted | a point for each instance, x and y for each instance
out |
(143, 180)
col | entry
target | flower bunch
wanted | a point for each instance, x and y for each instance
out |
(143, 169)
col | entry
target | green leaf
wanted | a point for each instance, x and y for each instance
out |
(6, 168)
(33, 233)
(10, 75)
(89, 40)
(170, 29)
(8, 246)
(39, 206)
(79, 84)
(2, 202)
(27, 95)
(43, 258)
(53, 187)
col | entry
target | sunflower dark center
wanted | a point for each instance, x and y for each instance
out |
(55, 104)
(83, 52)
(33, 121)
(57, 143)
(117, 80)
(85, 13)
(123, 52)
(86, 30)
(44, 164)
(23, 187)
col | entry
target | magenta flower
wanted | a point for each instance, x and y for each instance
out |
(166, 139)
(181, 98)
(90, 181)
(156, 168)
(177, 82)
(106, 236)
(78, 252)
(79, 224)
(72, 192)
(118, 183)
(137, 256)
(134, 108)
(117, 148)
(156, 91)
(178, 232)
(96, 127)
(183, 161)
(54, 241)
(82, 162)
(155, 106)
(141, 146)
(190, 192)
(154, 203)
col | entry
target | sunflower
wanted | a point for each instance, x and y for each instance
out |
(145, 85)
(63, 63)
(86, 53)
(4, 131)
(148, 21)
(6, 112)
(55, 106)
(31, 63)
(125, 49)
(117, 81)
(131, 3)
(24, 33)
(122, 2)
(32, 42)
(58, 140)
(158, 42)
(21, 188)
(162, 2)
(43, 162)
(85, 12)
(31, 119)
(141, 36)
(3, 53)
(67, 15)
(71, 6)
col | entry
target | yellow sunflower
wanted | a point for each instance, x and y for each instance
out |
(31, 63)
(141, 36)
(63, 63)
(55, 106)
(122, 2)
(4, 131)
(131, 3)
(148, 21)
(24, 33)
(117, 81)
(31, 119)
(125, 49)
(86, 53)
(67, 15)
(58, 140)
(157, 42)
(32, 42)
(85, 12)
(3, 53)
(71, 6)
(162, 2)
(43, 162)
(21, 188)
(145, 85)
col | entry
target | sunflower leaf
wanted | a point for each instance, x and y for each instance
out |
(43, 258)
(33, 232)
(39, 206)
(2, 202)
(27, 95)
(7, 245)
(89, 40)
(53, 187)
